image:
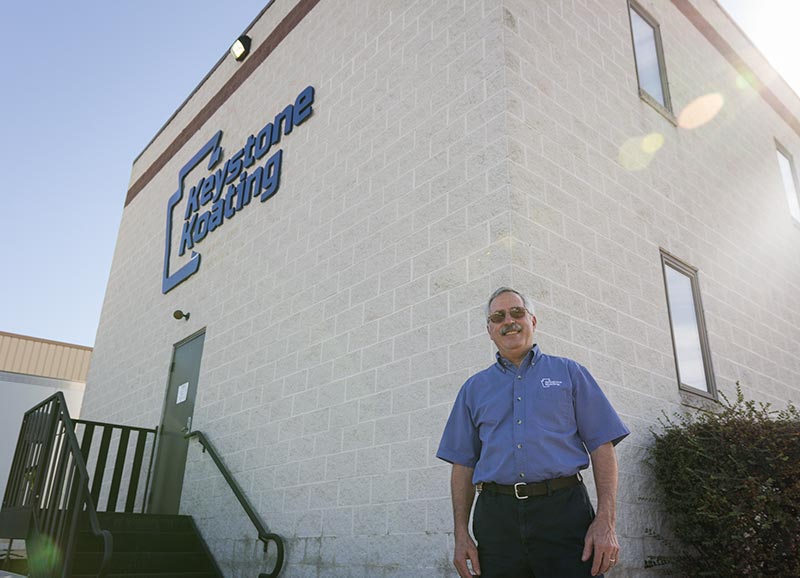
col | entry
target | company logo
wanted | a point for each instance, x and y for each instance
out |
(228, 188)
(547, 382)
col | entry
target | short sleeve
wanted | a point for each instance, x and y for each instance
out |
(598, 422)
(460, 442)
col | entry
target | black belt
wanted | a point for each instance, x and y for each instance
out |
(523, 491)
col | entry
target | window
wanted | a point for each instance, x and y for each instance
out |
(689, 339)
(649, 57)
(789, 181)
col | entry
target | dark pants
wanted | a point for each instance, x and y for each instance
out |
(541, 537)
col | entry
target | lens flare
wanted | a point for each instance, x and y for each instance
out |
(745, 81)
(652, 143)
(636, 153)
(701, 110)
(44, 557)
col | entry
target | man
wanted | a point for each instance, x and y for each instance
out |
(520, 431)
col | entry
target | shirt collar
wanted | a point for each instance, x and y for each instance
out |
(531, 358)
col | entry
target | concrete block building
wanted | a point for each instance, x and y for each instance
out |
(329, 214)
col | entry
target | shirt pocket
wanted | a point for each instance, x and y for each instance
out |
(553, 410)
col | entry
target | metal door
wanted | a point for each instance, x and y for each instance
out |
(167, 483)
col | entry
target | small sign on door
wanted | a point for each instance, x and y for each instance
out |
(183, 392)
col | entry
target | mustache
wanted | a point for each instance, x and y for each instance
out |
(508, 328)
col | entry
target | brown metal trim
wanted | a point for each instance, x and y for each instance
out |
(727, 51)
(290, 21)
(302, 9)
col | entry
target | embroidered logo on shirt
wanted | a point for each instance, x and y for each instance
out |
(547, 382)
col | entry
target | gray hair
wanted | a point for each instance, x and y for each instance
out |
(500, 290)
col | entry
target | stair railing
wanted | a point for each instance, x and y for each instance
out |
(127, 490)
(70, 484)
(49, 479)
(263, 535)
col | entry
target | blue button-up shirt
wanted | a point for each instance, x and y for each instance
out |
(531, 423)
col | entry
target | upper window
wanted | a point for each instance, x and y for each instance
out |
(687, 323)
(789, 182)
(649, 57)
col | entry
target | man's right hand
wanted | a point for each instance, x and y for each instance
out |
(463, 494)
(466, 550)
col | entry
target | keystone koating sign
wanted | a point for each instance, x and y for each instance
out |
(225, 189)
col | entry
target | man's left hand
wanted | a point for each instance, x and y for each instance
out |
(601, 542)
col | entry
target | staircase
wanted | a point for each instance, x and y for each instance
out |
(146, 545)
(76, 525)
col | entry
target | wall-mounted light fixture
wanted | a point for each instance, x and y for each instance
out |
(241, 48)
(178, 314)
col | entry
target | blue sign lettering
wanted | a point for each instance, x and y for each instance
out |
(207, 207)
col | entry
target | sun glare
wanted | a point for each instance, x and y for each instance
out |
(772, 28)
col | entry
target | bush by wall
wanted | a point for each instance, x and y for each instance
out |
(729, 483)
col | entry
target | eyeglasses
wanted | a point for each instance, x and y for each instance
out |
(500, 315)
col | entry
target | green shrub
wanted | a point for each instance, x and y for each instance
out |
(729, 482)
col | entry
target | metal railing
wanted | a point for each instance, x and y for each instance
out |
(263, 534)
(115, 442)
(56, 481)
(49, 479)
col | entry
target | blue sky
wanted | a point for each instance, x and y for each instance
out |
(85, 86)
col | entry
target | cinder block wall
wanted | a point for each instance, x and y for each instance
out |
(454, 146)
(588, 229)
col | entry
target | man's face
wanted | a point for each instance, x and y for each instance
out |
(513, 337)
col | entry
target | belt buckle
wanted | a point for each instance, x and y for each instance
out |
(516, 491)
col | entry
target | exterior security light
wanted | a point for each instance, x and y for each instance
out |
(178, 314)
(241, 48)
